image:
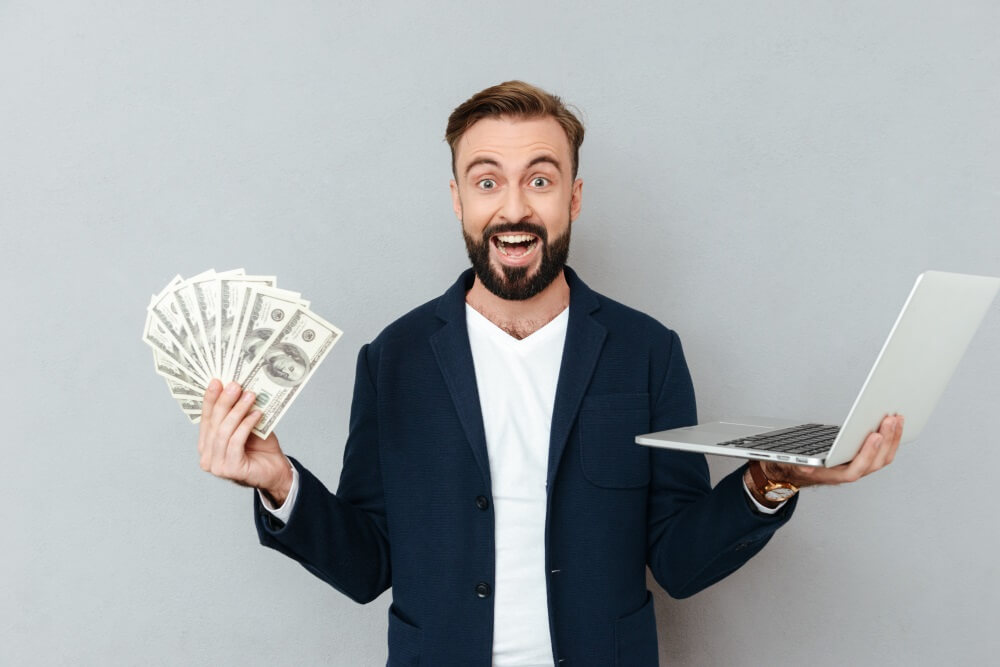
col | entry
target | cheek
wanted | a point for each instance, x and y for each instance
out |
(476, 215)
(553, 206)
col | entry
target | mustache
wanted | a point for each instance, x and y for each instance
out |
(514, 228)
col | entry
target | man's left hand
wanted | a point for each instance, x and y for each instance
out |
(878, 451)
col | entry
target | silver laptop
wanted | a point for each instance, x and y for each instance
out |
(918, 358)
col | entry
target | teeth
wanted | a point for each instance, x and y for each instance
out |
(503, 240)
(515, 238)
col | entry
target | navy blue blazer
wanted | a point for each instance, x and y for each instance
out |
(413, 510)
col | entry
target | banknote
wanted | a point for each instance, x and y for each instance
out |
(170, 370)
(240, 328)
(285, 364)
(206, 298)
(155, 335)
(191, 408)
(187, 302)
(228, 325)
(265, 310)
(165, 309)
(184, 390)
(231, 295)
(208, 293)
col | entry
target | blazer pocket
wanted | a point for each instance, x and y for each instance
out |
(635, 637)
(405, 641)
(608, 425)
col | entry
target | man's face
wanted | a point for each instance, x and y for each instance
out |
(515, 195)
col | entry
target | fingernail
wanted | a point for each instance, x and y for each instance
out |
(247, 397)
(232, 388)
(214, 385)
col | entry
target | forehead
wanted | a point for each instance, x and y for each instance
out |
(512, 139)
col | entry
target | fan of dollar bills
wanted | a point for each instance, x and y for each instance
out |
(234, 326)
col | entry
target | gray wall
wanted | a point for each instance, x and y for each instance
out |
(766, 178)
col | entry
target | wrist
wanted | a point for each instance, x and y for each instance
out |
(768, 489)
(277, 493)
(775, 472)
(757, 494)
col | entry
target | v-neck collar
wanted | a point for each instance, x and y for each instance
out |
(557, 325)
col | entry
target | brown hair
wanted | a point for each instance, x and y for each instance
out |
(517, 99)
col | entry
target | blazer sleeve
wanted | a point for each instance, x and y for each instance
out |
(697, 534)
(341, 538)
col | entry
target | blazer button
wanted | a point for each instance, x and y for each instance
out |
(483, 589)
(482, 502)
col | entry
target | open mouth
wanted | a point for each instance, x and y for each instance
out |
(516, 246)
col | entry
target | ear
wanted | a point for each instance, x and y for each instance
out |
(456, 200)
(575, 201)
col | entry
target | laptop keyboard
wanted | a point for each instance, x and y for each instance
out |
(805, 440)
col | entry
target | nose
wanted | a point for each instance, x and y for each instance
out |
(515, 206)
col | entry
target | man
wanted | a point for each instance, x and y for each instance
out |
(490, 476)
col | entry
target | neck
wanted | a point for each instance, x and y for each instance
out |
(520, 319)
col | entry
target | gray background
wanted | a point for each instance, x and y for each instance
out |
(766, 178)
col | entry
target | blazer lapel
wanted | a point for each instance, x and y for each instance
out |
(584, 340)
(454, 356)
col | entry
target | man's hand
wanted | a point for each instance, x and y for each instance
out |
(878, 451)
(230, 450)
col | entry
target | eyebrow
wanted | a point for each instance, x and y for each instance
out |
(479, 161)
(538, 160)
(546, 158)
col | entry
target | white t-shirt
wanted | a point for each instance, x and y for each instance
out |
(517, 380)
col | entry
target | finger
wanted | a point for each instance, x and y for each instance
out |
(894, 446)
(896, 430)
(862, 462)
(208, 402)
(237, 443)
(226, 401)
(213, 443)
(893, 435)
(889, 435)
(224, 433)
(211, 396)
(888, 427)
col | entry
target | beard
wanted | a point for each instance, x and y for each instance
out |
(513, 282)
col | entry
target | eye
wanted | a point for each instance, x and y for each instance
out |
(539, 182)
(487, 184)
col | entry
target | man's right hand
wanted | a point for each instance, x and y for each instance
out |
(230, 450)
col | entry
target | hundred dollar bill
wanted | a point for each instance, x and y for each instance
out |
(169, 370)
(207, 295)
(245, 310)
(230, 325)
(184, 390)
(242, 301)
(191, 408)
(165, 309)
(190, 404)
(156, 336)
(286, 363)
(187, 302)
(231, 295)
(264, 311)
